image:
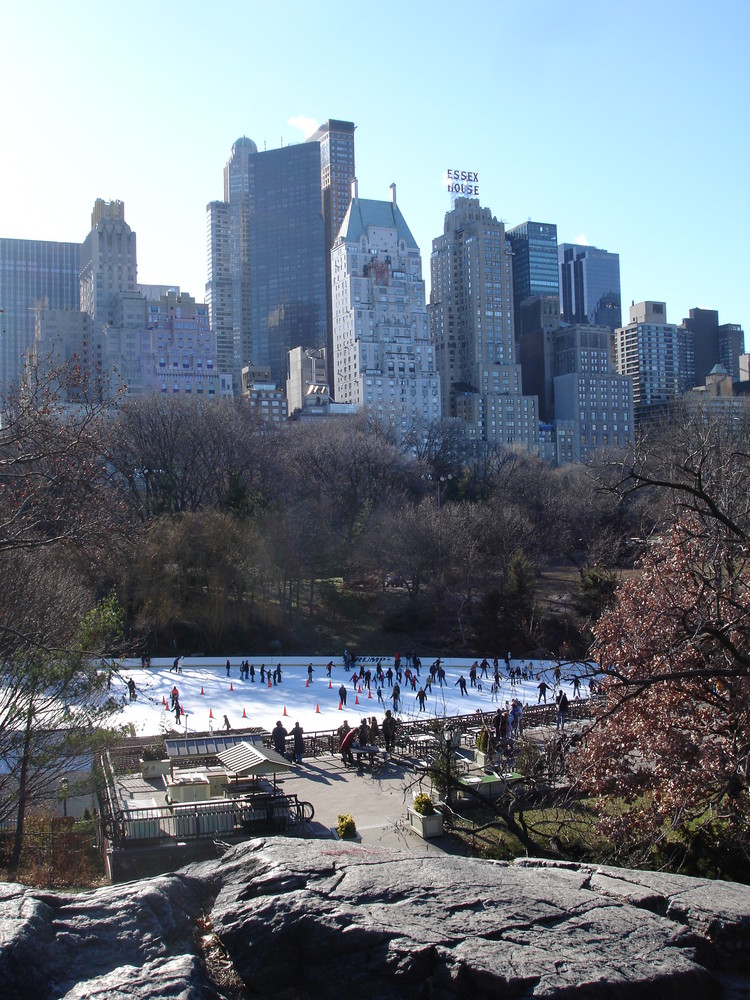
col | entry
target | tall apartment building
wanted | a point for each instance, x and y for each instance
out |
(589, 286)
(33, 274)
(648, 350)
(137, 339)
(228, 282)
(384, 360)
(471, 325)
(108, 261)
(535, 269)
(266, 288)
(592, 401)
(712, 344)
(337, 172)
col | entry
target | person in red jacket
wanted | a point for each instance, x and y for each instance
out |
(347, 756)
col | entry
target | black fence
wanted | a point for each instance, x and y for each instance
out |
(327, 741)
(55, 851)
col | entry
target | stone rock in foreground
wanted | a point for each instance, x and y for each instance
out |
(296, 919)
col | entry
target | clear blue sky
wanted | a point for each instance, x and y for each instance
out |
(625, 123)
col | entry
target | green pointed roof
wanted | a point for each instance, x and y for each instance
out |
(364, 212)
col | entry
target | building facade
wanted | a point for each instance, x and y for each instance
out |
(593, 404)
(133, 339)
(33, 274)
(535, 268)
(536, 350)
(265, 399)
(228, 280)
(337, 172)
(266, 257)
(162, 345)
(712, 344)
(384, 361)
(307, 373)
(589, 286)
(108, 261)
(471, 325)
(648, 350)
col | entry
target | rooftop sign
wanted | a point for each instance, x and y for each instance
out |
(463, 183)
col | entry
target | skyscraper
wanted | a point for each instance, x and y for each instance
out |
(648, 350)
(713, 344)
(108, 261)
(33, 273)
(471, 323)
(266, 257)
(535, 270)
(589, 286)
(384, 361)
(337, 172)
(228, 284)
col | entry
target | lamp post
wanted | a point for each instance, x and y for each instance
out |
(449, 735)
(62, 791)
(439, 481)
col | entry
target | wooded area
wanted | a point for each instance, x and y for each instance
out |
(177, 524)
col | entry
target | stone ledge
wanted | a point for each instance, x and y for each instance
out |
(300, 918)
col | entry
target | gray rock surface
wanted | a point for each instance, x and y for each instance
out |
(290, 919)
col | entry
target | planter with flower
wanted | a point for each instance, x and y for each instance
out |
(346, 829)
(424, 819)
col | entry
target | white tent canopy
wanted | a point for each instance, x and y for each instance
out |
(251, 760)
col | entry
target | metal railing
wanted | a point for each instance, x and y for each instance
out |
(247, 815)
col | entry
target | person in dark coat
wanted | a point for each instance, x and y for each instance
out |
(299, 742)
(388, 730)
(278, 735)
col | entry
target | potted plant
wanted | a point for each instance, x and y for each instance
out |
(483, 745)
(346, 828)
(424, 818)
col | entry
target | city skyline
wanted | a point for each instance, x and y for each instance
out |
(645, 151)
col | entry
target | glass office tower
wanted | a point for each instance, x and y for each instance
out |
(336, 141)
(535, 270)
(590, 286)
(266, 286)
(287, 255)
(32, 273)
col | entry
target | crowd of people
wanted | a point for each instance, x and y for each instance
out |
(400, 685)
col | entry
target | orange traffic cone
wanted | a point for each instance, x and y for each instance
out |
(284, 712)
(231, 686)
(244, 716)
(307, 683)
(210, 713)
(269, 681)
(339, 706)
(330, 685)
(369, 693)
(317, 709)
(356, 699)
(360, 689)
(201, 689)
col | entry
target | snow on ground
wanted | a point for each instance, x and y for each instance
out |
(207, 694)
